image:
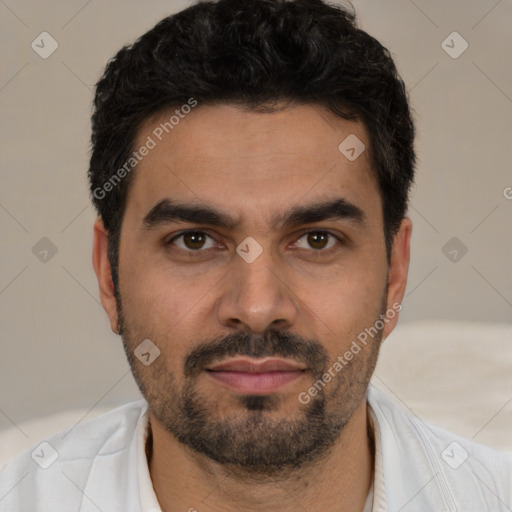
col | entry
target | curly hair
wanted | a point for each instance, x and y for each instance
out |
(256, 54)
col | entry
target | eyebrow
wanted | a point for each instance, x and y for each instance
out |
(168, 211)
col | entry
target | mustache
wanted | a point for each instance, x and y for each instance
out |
(272, 343)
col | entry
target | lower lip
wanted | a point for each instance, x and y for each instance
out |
(255, 383)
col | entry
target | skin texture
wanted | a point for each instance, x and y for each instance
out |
(316, 293)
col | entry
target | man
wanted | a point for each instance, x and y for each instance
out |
(251, 164)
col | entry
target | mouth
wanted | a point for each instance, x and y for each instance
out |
(256, 376)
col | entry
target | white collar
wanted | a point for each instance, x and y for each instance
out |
(378, 488)
(148, 500)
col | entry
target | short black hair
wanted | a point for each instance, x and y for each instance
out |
(256, 54)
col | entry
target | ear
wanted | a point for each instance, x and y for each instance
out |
(103, 271)
(397, 275)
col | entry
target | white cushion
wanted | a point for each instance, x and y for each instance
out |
(456, 375)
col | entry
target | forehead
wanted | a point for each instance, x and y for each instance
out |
(252, 164)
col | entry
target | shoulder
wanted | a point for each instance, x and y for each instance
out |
(466, 473)
(56, 464)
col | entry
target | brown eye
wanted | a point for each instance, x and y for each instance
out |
(319, 240)
(192, 241)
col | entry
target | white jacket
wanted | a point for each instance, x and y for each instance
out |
(101, 465)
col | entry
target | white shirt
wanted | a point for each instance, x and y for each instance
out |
(101, 465)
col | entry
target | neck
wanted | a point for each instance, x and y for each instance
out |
(338, 481)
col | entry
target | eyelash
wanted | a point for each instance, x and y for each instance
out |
(198, 231)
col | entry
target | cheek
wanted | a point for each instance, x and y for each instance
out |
(150, 302)
(352, 303)
(168, 308)
(349, 315)
(355, 284)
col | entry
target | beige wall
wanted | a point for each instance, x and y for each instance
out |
(57, 348)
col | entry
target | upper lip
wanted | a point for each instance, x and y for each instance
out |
(257, 365)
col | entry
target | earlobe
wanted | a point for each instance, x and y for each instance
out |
(398, 271)
(103, 272)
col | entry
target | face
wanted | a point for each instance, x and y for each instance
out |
(252, 255)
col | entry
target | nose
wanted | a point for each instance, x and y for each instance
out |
(256, 296)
